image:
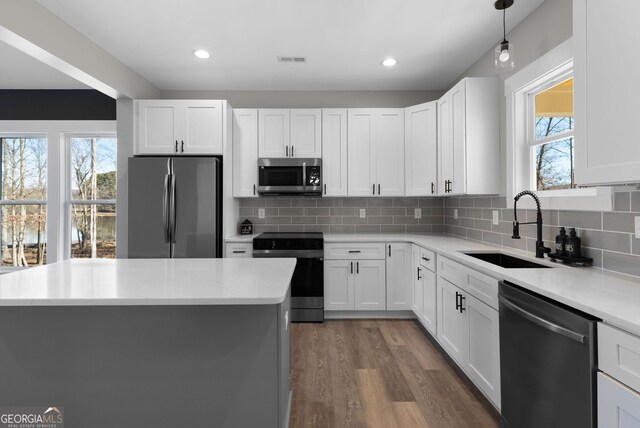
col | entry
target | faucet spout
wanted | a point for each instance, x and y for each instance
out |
(540, 248)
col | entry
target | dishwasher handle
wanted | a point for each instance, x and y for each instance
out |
(570, 334)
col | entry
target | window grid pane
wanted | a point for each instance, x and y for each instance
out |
(24, 235)
(554, 165)
(93, 193)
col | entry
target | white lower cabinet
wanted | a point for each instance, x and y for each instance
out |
(399, 261)
(354, 285)
(468, 330)
(369, 285)
(618, 405)
(452, 329)
(424, 293)
(338, 285)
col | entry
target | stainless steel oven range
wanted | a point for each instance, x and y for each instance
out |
(307, 284)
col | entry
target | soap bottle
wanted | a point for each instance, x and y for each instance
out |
(572, 247)
(561, 240)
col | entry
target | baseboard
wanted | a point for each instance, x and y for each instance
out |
(336, 315)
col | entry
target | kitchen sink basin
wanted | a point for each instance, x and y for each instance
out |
(506, 261)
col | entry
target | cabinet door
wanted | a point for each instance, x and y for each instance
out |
(445, 147)
(306, 133)
(618, 406)
(370, 285)
(157, 133)
(339, 285)
(417, 297)
(389, 152)
(334, 152)
(458, 138)
(399, 262)
(245, 153)
(201, 127)
(606, 92)
(361, 158)
(421, 141)
(452, 326)
(483, 363)
(430, 295)
(273, 133)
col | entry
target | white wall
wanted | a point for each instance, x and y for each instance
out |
(544, 29)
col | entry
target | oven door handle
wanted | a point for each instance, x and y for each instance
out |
(570, 334)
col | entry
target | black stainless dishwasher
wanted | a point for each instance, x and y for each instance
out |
(547, 362)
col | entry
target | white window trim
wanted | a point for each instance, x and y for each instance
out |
(56, 132)
(554, 65)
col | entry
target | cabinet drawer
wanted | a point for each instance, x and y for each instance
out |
(239, 250)
(428, 259)
(619, 355)
(354, 251)
(451, 271)
(618, 406)
(482, 287)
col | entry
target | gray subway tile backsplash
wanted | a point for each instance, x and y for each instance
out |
(607, 237)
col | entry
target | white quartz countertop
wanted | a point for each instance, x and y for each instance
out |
(150, 282)
(614, 298)
(247, 239)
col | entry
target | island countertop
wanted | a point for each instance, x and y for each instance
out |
(129, 282)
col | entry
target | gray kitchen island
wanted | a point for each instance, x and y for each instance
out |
(149, 342)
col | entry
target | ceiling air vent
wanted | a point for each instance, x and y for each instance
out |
(292, 59)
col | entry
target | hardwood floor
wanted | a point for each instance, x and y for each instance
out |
(378, 373)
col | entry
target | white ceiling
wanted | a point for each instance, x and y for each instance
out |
(435, 41)
(21, 71)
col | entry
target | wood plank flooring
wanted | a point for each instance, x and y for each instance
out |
(378, 373)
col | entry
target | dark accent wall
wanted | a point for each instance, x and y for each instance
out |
(81, 104)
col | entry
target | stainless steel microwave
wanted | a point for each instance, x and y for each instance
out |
(290, 176)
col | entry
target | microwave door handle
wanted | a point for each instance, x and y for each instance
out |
(304, 175)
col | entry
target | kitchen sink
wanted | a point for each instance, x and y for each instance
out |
(506, 261)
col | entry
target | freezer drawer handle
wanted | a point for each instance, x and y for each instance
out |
(542, 322)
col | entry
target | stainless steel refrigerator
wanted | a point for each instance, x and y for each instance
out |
(175, 208)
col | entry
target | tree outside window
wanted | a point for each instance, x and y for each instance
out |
(24, 201)
(93, 192)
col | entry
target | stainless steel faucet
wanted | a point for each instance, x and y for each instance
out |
(540, 248)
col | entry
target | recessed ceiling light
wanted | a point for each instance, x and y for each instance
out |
(202, 54)
(389, 62)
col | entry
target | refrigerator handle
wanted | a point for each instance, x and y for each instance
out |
(172, 209)
(165, 209)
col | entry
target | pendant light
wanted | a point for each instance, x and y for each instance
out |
(504, 53)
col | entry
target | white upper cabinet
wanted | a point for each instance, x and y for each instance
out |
(390, 151)
(376, 152)
(287, 133)
(361, 158)
(421, 141)
(245, 153)
(180, 127)
(607, 148)
(334, 152)
(306, 133)
(468, 138)
(273, 133)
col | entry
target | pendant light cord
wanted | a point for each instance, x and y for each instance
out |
(504, 25)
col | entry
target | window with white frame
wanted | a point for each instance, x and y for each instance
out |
(24, 200)
(551, 135)
(93, 162)
(57, 191)
(540, 143)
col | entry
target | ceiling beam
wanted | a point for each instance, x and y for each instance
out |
(29, 27)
